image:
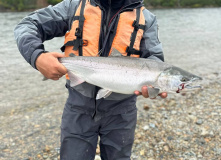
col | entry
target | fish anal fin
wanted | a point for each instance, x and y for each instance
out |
(74, 80)
(103, 93)
(153, 92)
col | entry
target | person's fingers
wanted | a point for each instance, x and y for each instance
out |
(58, 55)
(137, 93)
(163, 95)
(59, 66)
(62, 69)
(55, 79)
(145, 92)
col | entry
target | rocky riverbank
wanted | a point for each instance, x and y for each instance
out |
(180, 127)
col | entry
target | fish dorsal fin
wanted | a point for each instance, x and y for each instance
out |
(74, 80)
(153, 92)
(115, 53)
(103, 93)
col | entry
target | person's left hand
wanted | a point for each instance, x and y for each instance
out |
(145, 92)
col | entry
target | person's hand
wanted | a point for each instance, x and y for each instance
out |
(145, 92)
(49, 66)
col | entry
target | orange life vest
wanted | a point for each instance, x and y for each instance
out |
(83, 38)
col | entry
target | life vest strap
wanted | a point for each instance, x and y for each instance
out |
(138, 26)
(130, 50)
(79, 30)
(75, 43)
(78, 42)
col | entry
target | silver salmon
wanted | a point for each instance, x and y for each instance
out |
(124, 75)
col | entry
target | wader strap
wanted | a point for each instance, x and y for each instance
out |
(130, 50)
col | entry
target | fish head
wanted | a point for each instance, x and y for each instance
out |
(177, 80)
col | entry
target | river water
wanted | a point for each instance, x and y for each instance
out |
(191, 39)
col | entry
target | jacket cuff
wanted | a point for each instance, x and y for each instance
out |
(35, 55)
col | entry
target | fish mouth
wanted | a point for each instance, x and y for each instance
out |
(190, 85)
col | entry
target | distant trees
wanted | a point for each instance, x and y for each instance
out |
(182, 3)
(53, 2)
(20, 5)
(17, 5)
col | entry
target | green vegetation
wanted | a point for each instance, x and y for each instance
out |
(20, 5)
(53, 2)
(183, 3)
(17, 5)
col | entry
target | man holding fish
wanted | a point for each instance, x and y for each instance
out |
(95, 28)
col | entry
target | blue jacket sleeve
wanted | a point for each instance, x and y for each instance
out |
(150, 45)
(43, 24)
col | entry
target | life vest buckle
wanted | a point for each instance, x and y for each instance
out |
(78, 32)
(84, 42)
(135, 25)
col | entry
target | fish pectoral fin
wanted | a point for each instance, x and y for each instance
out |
(74, 80)
(153, 92)
(115, 53)
(72, 55)
(103, 93)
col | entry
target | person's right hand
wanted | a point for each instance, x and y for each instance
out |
(49, 66)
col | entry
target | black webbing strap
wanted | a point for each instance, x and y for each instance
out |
(78, 42)
(130, 50)
(73, 43)
(79, 30)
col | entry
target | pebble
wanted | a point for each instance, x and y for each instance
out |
(199, 121)
(45, 156)
(146, 107)
(98, 150)
(142, 152)
(219, 151)
(146, 127)
(2, 146)
(169, 138)
(186, 127)
(97, 157)
(152, 125)
(166, 148)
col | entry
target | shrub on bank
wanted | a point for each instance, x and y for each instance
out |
(53, 2)
(182, 3)
(20, 5)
